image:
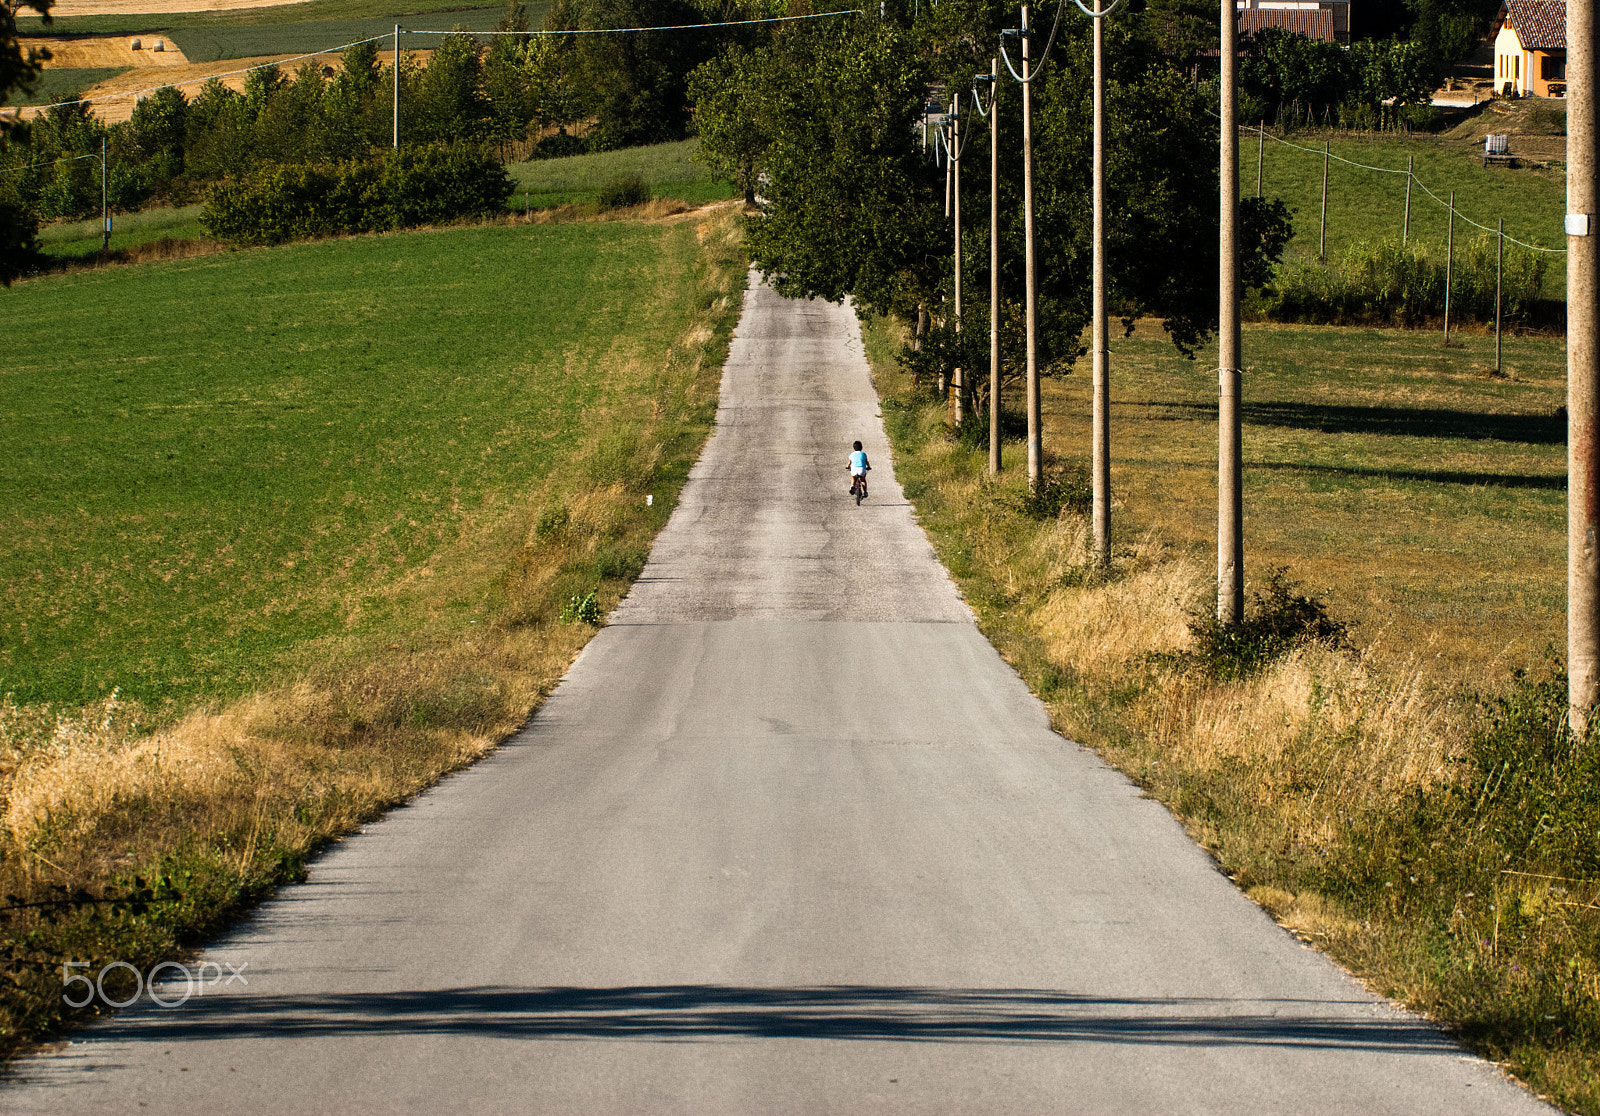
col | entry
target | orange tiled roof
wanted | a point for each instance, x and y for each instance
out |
(1539, 24)
(1312, 23)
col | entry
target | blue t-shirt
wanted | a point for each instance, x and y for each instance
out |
(858, 461)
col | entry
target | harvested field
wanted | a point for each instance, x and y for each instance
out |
(66, 8)
(108, 50)
(114, 99)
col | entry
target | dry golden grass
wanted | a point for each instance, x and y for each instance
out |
(1323, 782)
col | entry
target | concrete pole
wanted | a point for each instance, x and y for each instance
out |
(1261, 153)
(1449, 264)
(1322, 235)
(1035, 408)
(1405, 229)
(1583, 367)
(1499, 272)
(1100, 448)
(397, 86)
(994, 273)
(105, 209)
(1230, 474)
(959, 391)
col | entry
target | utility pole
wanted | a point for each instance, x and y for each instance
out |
(1322, 235)
(1449, 265)
(1230, 475)
(994, 271)
(1405, 229)
(1035, 408)
(960, 386)
(1583, 369)
(397, 87)
(105, 209)
(1100, 439)
(1261, 152)
(1499, 271)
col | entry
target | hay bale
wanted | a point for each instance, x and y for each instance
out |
(157, 46)
(134, 45)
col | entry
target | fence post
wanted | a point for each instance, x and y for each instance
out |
(1405, 229)
(1449, 264)
(1322, 236)
(1499, 269)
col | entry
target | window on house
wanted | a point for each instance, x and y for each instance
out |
(1552, 68)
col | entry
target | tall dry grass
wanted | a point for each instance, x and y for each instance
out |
(209, 808)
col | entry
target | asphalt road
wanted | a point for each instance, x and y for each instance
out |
(790, 837)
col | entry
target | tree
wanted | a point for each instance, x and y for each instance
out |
(18, 69)
(449, 103)
(734, 134)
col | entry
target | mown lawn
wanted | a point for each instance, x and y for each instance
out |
(81, 239)
(210, 462)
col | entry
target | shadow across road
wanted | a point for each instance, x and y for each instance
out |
(702, 1012)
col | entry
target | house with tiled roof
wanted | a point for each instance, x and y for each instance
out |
(1328, 20)
(1530, 48)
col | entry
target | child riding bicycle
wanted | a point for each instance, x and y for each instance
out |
(859, 466)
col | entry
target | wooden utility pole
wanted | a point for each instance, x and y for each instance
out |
(1583, 368)
(1035, 408)
(994, 271)
(1100, 440)
(105, 207)
(1230, 475)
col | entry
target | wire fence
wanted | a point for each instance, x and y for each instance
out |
(1454, 209)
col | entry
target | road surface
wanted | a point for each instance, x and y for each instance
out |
(790, 837)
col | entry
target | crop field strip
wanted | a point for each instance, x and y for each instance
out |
(313, 11)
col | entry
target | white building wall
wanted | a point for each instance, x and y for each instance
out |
(1512, 63)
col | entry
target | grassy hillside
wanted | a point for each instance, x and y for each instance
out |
(668, 169)
(211, 43)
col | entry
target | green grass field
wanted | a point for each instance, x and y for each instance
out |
(54, 86)
(1370, 205)
(211, 462)
(668, 168)
(211, 43)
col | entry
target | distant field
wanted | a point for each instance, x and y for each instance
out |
(55, 86)
(211, 462)
(668, 168)
(315, 11)
(211, 44)
(1366, 205)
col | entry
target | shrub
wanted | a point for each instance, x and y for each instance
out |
(627, 190)
(1279, 619)
(582, 610)
(406, 188)
(1063, 489)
